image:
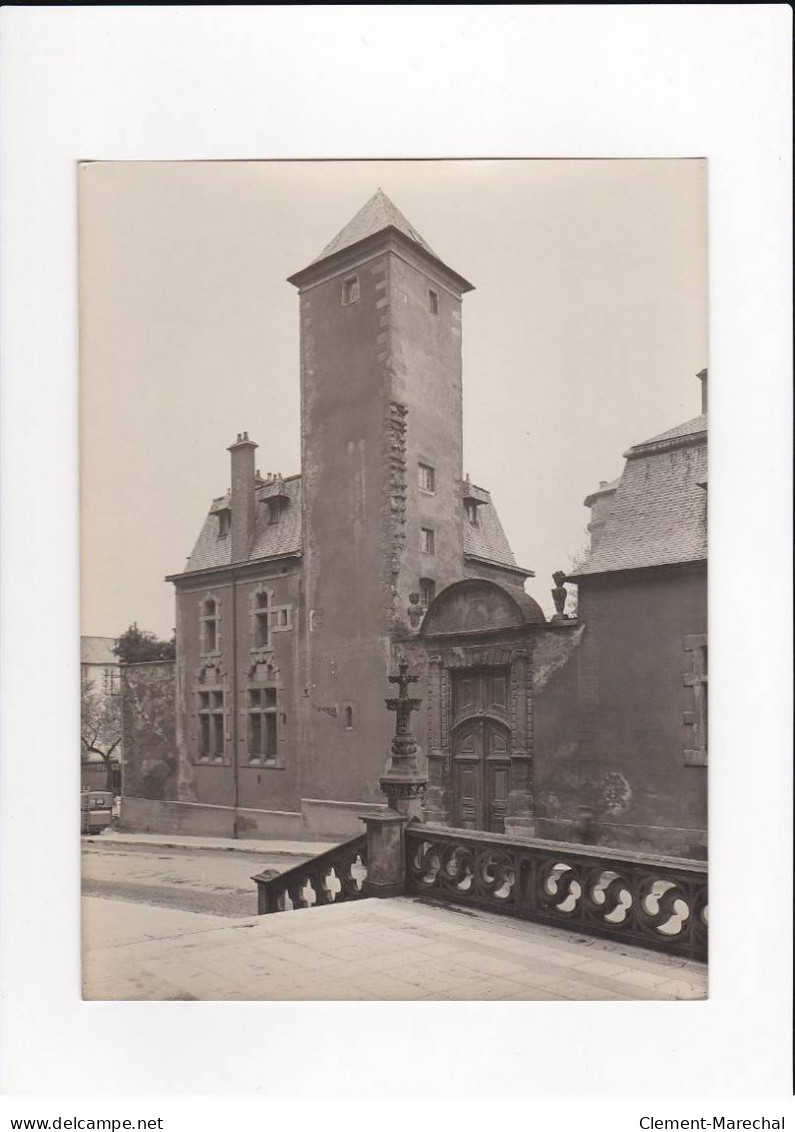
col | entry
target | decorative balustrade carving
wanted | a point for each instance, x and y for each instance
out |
(331, 878)
(649, 901)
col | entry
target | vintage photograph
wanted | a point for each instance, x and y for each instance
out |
(394, 656)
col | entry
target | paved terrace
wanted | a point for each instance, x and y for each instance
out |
(399, 949)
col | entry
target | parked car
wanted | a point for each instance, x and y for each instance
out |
(96, 810)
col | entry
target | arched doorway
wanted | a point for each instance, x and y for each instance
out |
(481, 749)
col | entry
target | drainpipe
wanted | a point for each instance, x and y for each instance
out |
(235, 708)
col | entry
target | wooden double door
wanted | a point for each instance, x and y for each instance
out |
(481, 750)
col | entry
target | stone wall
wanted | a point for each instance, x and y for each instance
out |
(614, 716)
(149, 765)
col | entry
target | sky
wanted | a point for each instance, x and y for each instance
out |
(583, 336)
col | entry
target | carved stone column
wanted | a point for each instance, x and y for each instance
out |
(436, 795)
(404, 782)
(520, 815)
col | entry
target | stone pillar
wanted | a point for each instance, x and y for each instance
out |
(436, 800)
(386, 854)
(520, 816)
(404, 783)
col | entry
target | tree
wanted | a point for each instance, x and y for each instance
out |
(100, 721)
(136, 645)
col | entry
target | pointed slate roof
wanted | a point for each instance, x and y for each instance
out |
(378, 213)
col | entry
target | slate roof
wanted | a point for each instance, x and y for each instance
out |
(270, 539)
(486, 541)
(692, 428)
(98, 650)
(378, 213)
(659, 511)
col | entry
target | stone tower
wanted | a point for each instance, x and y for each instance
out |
(381, 455)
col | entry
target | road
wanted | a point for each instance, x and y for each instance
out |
(216, 883)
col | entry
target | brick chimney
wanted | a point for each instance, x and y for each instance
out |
(243, 479)
(702, 377)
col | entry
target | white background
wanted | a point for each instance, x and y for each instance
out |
(80, 83)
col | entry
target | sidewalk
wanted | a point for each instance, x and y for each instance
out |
(302, 849)
(398, 949)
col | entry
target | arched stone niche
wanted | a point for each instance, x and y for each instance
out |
(477, 605)
(476, 624)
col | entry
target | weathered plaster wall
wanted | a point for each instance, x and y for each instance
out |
(620, 752)
(381, 388)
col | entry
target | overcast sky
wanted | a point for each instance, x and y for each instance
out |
(583, 336)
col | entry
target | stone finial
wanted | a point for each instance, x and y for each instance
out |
(559, 593)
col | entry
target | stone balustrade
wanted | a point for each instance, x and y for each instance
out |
(645, 900)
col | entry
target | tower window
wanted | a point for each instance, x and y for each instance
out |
(426, 540)
(433, 302)
(427, 478)
(427, 591)
(472, 513)
(350, 290)
(349, 718)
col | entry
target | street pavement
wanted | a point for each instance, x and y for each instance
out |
(210, 880)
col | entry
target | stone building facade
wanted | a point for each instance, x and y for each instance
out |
(301, 590)
(621, 726)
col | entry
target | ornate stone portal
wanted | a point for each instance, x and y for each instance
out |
(404, 782)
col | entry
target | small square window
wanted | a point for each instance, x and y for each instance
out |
(350, 290)
(433, 302)
(426, 540)
(427, 478)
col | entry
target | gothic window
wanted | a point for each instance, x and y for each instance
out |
(426, 540)
(427, 591)
(433, 302)
(211, 724)
(209, 620)
(350, 290)
(472, 512)
(696, 685)
(262, 725)
(427, 478)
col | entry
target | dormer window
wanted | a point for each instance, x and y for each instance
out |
(274, 510)
(350, 290)
(223, 523)
(472, 513)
